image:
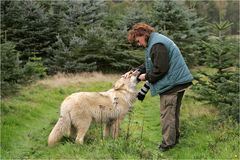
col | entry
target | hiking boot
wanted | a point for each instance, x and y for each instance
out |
(163, 147)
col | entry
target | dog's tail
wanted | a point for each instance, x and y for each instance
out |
(62, 128)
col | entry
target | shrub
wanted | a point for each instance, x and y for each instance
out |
(222, 87)
(14, 73)
(11, 72)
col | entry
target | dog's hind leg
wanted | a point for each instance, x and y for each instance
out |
(82, 128)
(73, 132)
(60, 129)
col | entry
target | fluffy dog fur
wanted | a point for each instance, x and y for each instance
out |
(80, 109)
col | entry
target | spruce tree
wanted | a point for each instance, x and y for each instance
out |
(182, 25)
(26, 24)
(93, 52)
(222, 87)
(89, 44)
(11, 72)
(82, 15)
(127, 55)
(135, 13)
(72, 57)
(68, 53)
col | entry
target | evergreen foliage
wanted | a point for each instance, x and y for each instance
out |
(90, 53)
(89, 44)
(222, 90)
(216, 10)
(71, 53)
(222, 87)
(136, 14)
(78, 36)
(82, 15)
(183, 26)
(11, 73)
(34, 68)
(26, 24)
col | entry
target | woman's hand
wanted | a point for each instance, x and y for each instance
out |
(142, 77)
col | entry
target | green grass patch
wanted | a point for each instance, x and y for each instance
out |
(27, 119)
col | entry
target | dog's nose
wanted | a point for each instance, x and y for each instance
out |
(136, 73)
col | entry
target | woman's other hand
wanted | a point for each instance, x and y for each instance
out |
(142, 77)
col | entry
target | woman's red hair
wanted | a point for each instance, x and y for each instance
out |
(139, 29)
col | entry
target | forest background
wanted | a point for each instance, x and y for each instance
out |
(43, 38)
(40, 38)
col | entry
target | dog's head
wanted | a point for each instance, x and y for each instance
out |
(127, 82)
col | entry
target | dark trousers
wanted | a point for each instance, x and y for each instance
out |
(169, 113)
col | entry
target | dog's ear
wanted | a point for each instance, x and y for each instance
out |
(118, 85)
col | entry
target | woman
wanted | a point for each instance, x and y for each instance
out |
(167, 74)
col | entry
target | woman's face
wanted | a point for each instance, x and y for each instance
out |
(141, 41)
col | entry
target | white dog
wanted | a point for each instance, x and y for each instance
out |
(80, 109)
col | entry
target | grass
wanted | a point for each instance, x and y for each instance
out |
(27, 119)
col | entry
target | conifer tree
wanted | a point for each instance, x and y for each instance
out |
(11, 72)
(182, 25)
(26, 24)
(90, 45)
(83, 15)
(93, 52)
(82, 21)
(135, 13)
(222, 87)
(129, 56)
